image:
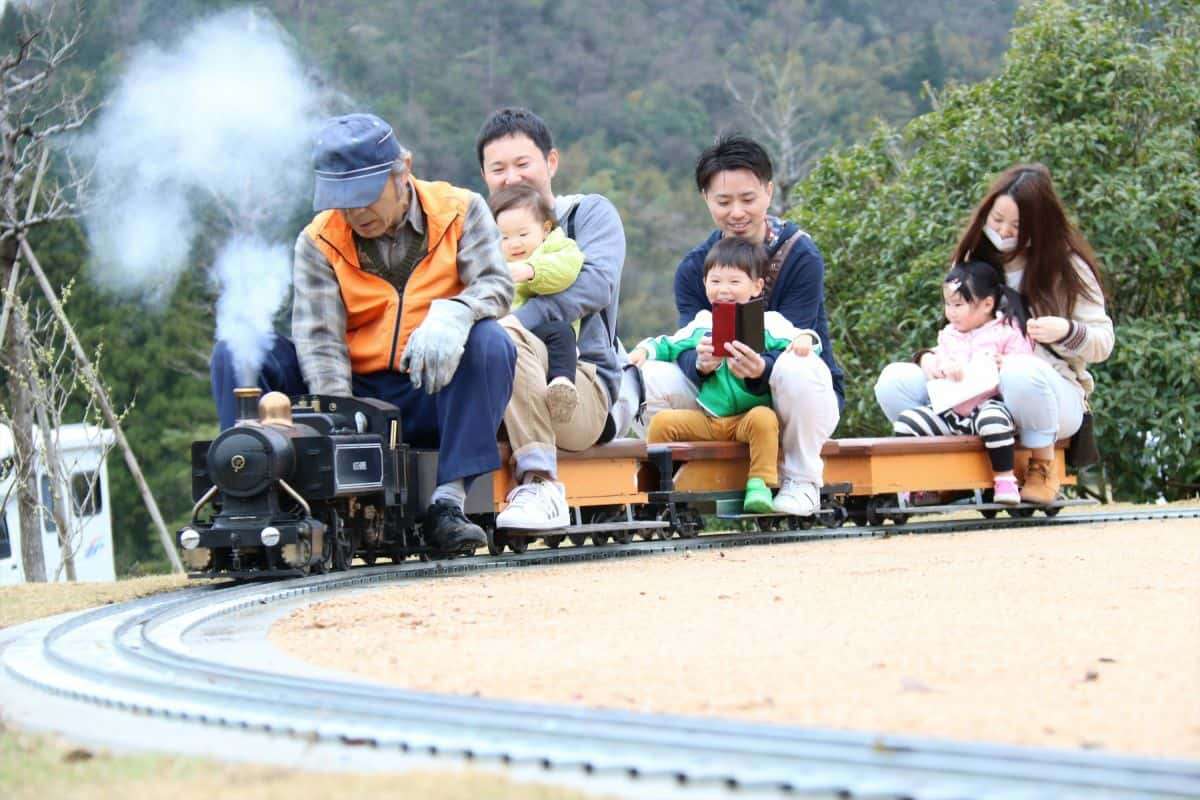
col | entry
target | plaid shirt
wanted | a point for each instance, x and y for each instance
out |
(319, 314)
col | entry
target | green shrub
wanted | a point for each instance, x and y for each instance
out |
(1105, 94)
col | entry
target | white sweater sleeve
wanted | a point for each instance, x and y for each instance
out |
(1090, 336)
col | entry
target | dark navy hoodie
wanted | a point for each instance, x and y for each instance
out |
(798, 294)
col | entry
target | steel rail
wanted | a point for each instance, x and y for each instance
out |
(151, 669)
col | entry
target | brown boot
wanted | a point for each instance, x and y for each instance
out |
(1041, 483)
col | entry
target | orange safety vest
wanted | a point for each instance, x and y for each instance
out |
(379, 317)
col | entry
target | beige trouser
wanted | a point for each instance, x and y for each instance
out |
(531, 432)
(801, 392)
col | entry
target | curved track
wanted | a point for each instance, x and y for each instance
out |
(142, 658)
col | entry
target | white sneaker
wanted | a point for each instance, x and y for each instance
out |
(562, 398)
(797, 499)
(539, 505)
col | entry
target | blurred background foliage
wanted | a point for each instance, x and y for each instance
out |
(1103, 92)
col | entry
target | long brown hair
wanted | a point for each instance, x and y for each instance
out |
(1045, 237)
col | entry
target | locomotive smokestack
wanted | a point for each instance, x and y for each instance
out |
(246, 398)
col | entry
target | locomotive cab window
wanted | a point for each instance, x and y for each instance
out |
(85, 493)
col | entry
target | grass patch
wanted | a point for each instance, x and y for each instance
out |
(30, 601)
(34, 767)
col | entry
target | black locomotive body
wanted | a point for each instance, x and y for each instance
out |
(298, 488)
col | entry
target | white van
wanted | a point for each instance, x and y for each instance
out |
(82, 448)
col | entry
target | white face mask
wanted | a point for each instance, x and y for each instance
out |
(1003, 245)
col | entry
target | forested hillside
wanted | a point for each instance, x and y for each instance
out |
(632, 89)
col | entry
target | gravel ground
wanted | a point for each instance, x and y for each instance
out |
(1081, 637)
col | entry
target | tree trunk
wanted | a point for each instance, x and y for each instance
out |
(33, 559)
(100, 393)
(57, 475)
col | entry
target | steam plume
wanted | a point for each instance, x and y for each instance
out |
(220, 121)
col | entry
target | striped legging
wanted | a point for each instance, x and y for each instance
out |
(991, 421)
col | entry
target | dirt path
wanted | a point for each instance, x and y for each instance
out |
(1071, 637)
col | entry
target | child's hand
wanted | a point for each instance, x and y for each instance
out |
(637, 357)
(952, 370)
(929, 365)
(520, 271)
(1048, 330)
(744, 362)
(802, 345)
(706, 362)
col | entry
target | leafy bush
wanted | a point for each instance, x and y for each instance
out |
(1104, 93)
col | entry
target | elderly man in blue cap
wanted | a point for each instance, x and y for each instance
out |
(397, 286)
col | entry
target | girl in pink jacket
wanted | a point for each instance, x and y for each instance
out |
(987, 320)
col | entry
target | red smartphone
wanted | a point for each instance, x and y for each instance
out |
(724, 327)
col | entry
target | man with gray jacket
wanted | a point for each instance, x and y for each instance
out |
(515, 146)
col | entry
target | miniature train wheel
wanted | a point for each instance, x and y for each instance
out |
(871, 514)
(898, 519)
(839, 516)
(341, 543)
(553, 541)
(688, 523)
(599, 538)
(495, 541)
(801, 523)
(1020, 513)
(518, 544)
(1051, 511)
(578, 539)
(988, 513)
(369, 556)
(665, 533)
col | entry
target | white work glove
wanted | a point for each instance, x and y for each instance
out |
(436, 346)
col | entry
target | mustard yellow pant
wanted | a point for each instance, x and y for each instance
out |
(758, 427)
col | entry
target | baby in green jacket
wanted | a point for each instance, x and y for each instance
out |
(543, 261)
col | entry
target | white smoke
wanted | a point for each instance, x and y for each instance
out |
(245, 268)
(218, 123)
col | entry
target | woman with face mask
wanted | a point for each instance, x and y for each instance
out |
(1020, 226)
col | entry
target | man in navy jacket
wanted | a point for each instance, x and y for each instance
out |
(734, 178)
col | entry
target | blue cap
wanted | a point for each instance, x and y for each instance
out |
(352, 156)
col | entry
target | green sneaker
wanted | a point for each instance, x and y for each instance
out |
(758, 498)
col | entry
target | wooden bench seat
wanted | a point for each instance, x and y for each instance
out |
(872, 465)
(865, 446)
(607, 474)
(618, 448)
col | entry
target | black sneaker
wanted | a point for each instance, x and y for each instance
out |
(448, 531)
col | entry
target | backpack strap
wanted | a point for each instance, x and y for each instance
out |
(775, 265)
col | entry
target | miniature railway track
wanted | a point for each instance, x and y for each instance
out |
(136, 658)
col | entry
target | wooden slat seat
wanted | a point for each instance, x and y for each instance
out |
(633, 449)
(865, 446)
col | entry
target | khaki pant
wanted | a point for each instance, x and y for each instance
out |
(758, 427)
(533, 436)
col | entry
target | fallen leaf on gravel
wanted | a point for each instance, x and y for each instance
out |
(913, 685)
(1107, 660)
(77, 755)
(1091, 675)
(778, 599)
(722, 597)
